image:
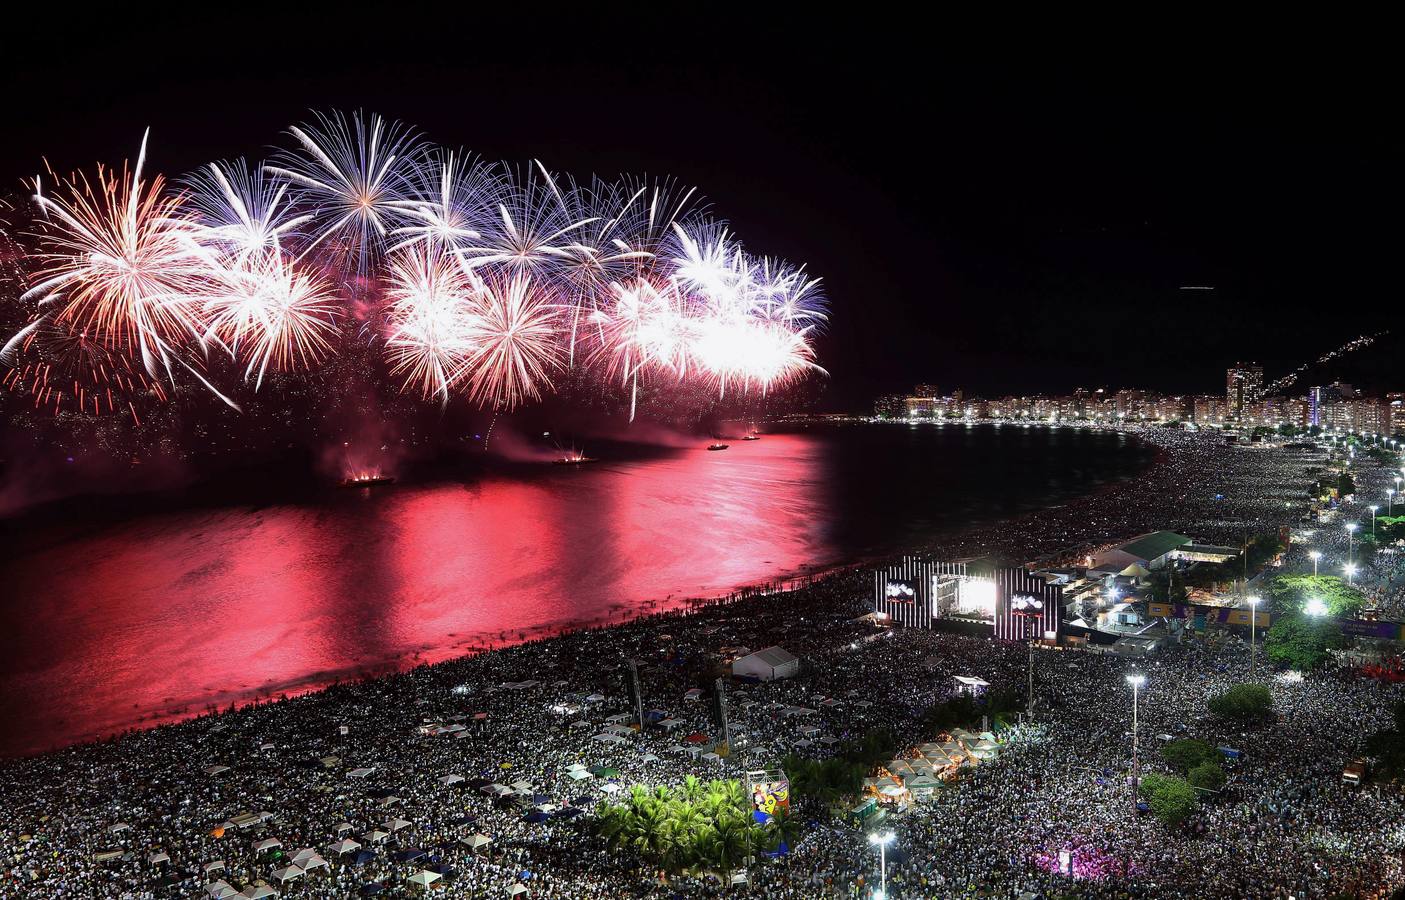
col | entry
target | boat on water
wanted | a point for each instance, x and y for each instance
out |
(575, 459)
(751, 437)
(356, 481)
(717, 446)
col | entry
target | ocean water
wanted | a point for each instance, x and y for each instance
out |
(154, 615)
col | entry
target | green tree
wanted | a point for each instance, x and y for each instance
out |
(1291, 593)
(1171, 799)
(1302, 642)
(1207, 775)
(1185, 755)
(1243, 703)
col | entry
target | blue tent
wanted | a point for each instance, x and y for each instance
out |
(536, 818)
(362, 857)
(370, 890)
(409, 854)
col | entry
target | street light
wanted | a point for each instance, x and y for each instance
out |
(1390, 501)
(882, 840)
(1373, 507)
(1136, 680)
(1350, 569)
(1350, 532)
(1253, 621)
(1316, 555)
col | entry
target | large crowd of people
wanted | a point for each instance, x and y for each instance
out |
(480, 776)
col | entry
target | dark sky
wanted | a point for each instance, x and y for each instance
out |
(986, 212)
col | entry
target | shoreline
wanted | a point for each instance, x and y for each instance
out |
(962, 541)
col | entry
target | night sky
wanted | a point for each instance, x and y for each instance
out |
(1017, 219)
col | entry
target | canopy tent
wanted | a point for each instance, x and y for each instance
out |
(475, 841)
(517, 888)
(345, 845)
(216, 770)
(267, 844)
(287, 873)
(450, 779)
(213, 866)
(220, 890)
(159, 856)
(424, 878)
(257, 892)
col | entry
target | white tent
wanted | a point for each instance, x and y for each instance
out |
(362, 772)
(287, 873)
(219, 890)
(216, 770)
(159, 856)
(474, 841)
(345, 845)
(424, 878)
(374, 836)
(608, 739)
(394, 825)
(267, 844)
(257, 892)
(450, 779)
(516, 889)
(213, 866)
(767, 664)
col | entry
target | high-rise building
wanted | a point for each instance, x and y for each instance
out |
(1244, 384)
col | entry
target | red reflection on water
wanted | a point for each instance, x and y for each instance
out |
(169, 614)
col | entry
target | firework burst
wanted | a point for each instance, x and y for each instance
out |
(516, 343)
(353, 174)
(465, 279)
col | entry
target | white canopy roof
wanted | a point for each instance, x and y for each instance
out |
(424, 878)
(288, 873)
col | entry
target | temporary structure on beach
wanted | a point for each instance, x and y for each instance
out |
(767, 664)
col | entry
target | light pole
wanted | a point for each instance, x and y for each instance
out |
(1373, 507)
(1350, 569)
(1390, 501)
(1350, 548)
(1136, 680)
(882, 840)
(1316, 555)
(1253, 621)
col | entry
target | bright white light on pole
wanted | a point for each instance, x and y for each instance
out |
(1315, 607)
(1136, 681)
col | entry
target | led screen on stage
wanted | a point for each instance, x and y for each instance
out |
(901, 590)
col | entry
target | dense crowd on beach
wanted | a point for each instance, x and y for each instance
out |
(480, 776)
